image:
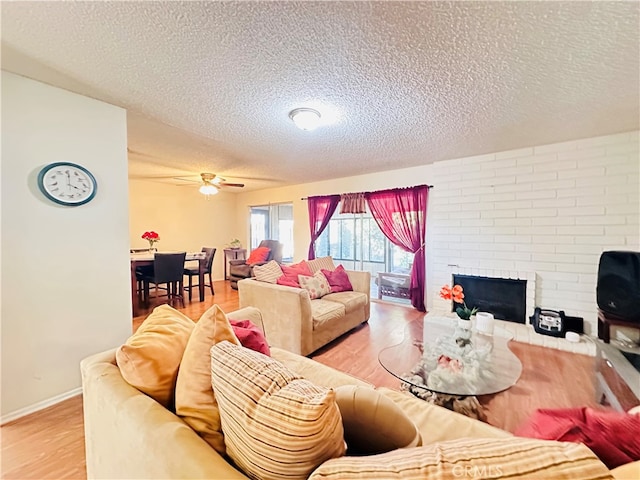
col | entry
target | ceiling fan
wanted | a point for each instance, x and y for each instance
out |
(211, 184)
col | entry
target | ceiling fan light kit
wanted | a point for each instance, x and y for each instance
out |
(209, 182)
(208, 189)
(305, 118)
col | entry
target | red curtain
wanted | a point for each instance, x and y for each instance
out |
(320, 211)
(401, 214)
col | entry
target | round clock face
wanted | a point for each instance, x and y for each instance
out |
(67, 183)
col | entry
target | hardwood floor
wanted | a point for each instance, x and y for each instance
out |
(50, 444)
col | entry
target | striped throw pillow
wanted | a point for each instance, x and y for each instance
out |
(472, 458)
(270, 272)
(317, 264)
(276, 424)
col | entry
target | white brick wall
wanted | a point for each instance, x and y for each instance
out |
(548, 210)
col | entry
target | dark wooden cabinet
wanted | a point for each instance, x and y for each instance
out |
(606, 320)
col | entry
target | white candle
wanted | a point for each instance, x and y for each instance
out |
(484, 322)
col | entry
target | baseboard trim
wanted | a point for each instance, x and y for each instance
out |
(36, 407)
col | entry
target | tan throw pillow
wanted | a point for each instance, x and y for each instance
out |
(317, 286)
(373, 423)
(472, 458)
(317, 264)
(270, 272)
(150, 358)
(276, 424)
(195, 400)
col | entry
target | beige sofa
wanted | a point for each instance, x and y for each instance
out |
(129, 435)
(294, 322)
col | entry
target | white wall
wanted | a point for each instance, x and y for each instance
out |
(550, 210)
(184, 218)
(65, 270)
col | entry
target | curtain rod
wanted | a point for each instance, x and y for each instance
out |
(307, 198)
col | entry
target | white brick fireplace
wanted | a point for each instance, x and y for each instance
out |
(491, 273)
(544, 214)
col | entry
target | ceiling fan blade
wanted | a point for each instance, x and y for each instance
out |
(225, 184)
(162, 177)
(183, 179)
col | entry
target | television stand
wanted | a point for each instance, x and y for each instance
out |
(605, 320)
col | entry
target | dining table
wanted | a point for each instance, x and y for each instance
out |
(140, 259)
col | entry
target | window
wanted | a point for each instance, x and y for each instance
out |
(357, 243)
(273, 222)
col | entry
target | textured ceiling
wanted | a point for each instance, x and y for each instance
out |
(208, 85)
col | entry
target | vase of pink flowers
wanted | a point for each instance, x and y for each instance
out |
(462, 333)
(457, 295)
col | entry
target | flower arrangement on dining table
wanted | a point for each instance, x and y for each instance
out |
(151, 237)
(457, 295)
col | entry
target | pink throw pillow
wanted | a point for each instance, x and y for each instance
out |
(338, 279)
(291, 272)
(610, 435)
(288, 282)
(250, 336)
(258, 255)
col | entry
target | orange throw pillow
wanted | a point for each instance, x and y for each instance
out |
(150, 358)
(195, 399)
(258, 255)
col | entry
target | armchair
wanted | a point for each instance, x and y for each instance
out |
(239, 269)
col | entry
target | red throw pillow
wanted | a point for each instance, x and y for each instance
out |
(250, 336)
(338, 279)
(291, 272)
(258, 255)
(610, 435)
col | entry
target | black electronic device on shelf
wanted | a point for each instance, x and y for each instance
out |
(555, 323)
(618, 287)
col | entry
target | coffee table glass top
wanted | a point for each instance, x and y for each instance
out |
(452, 360)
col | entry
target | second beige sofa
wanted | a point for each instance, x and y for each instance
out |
(294, 322)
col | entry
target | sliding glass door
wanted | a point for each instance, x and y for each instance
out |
(355, 241)
(273, 222)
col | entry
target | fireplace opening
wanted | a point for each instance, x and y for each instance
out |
(505, 298)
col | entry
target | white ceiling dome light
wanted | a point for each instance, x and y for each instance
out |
(305, 118)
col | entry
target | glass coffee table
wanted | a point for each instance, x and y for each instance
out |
(450, 365)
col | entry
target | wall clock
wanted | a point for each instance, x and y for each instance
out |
(67, 184)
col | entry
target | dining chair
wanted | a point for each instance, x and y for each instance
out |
(195, 271)
(140, 271)
(167, 269)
